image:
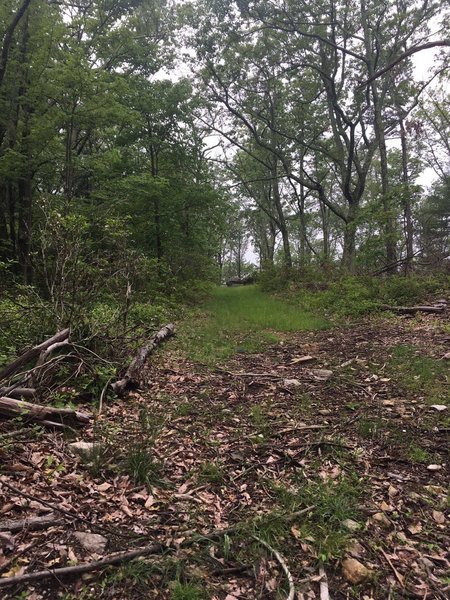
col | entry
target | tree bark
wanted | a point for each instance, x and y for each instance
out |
(10, 407)
(7, 39)
(134, 371)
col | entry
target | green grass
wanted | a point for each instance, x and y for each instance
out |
(420, 374)
(187, 591)
(332, 503)
(242, 320)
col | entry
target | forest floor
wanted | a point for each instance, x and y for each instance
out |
(268, 450)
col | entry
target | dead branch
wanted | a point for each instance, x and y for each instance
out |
(48, 351)
(33, 523)
(283, 565)
(134, 371)
(131, 554)
(413, 309)
(17, 392)
(11, 408)
(83, 567)
(63, 511)
(33, 353)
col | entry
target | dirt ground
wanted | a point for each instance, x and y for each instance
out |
(354, 434)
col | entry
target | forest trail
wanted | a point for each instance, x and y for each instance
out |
(254, 413)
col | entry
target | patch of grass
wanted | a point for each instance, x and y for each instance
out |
(417, 454)
(140, 464)
(184, 409)
(211, 472)
(242, 320)
(259, 418)
(419, 373)
(370, 428)
(187, 591)
(333, 502)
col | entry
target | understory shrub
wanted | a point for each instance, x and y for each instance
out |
(352, 296)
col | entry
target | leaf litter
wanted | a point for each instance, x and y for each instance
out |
(234, 448)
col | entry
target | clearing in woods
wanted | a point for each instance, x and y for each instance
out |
(318, 452)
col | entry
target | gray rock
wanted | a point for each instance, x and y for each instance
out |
(92, 542)
(83, 449)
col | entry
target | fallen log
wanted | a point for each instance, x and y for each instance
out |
(413, 309)
(32, 523)
(17, 392)
(33, 353)
(11, 407)
(134, 371)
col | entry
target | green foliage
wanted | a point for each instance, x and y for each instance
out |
(351, 296)
(187, 591)
(140, 464)
(211, 472)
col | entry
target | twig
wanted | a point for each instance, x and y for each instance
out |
(324, 592)
(33, 523)
(102, 395)
(283, 565)
(398, 576)
(83, 567)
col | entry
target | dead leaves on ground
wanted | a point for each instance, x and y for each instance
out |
(224, 441)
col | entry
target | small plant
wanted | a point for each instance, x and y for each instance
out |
(259, 418)
(140, 464)
(418, 373)
(418, 454)
(211, 473)
(187, 591)
(332, 503)
(370, 428)
(184, 410)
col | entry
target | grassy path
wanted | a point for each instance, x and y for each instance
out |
(242, 319)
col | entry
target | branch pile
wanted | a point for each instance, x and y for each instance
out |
(29, 373)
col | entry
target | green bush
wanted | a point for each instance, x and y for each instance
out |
(332, 293)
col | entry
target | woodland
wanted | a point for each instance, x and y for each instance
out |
(224, 299)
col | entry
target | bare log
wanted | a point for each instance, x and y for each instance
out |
(33, 353)
(413, 309)
(134, 371)
(48, 351)
(11, 407)
(33, 523)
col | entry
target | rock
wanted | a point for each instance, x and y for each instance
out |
(351, 525)
(392, 491)
(434, 467)
(439, 517)
(388, 403)
(439, 407)
(321, 374)
(83, 449)
(381, 518)
(324, 412)
(354, 571)
(92, 542)
(291, 382)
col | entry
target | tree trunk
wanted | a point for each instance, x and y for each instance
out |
(408, 223)
(389, 225)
